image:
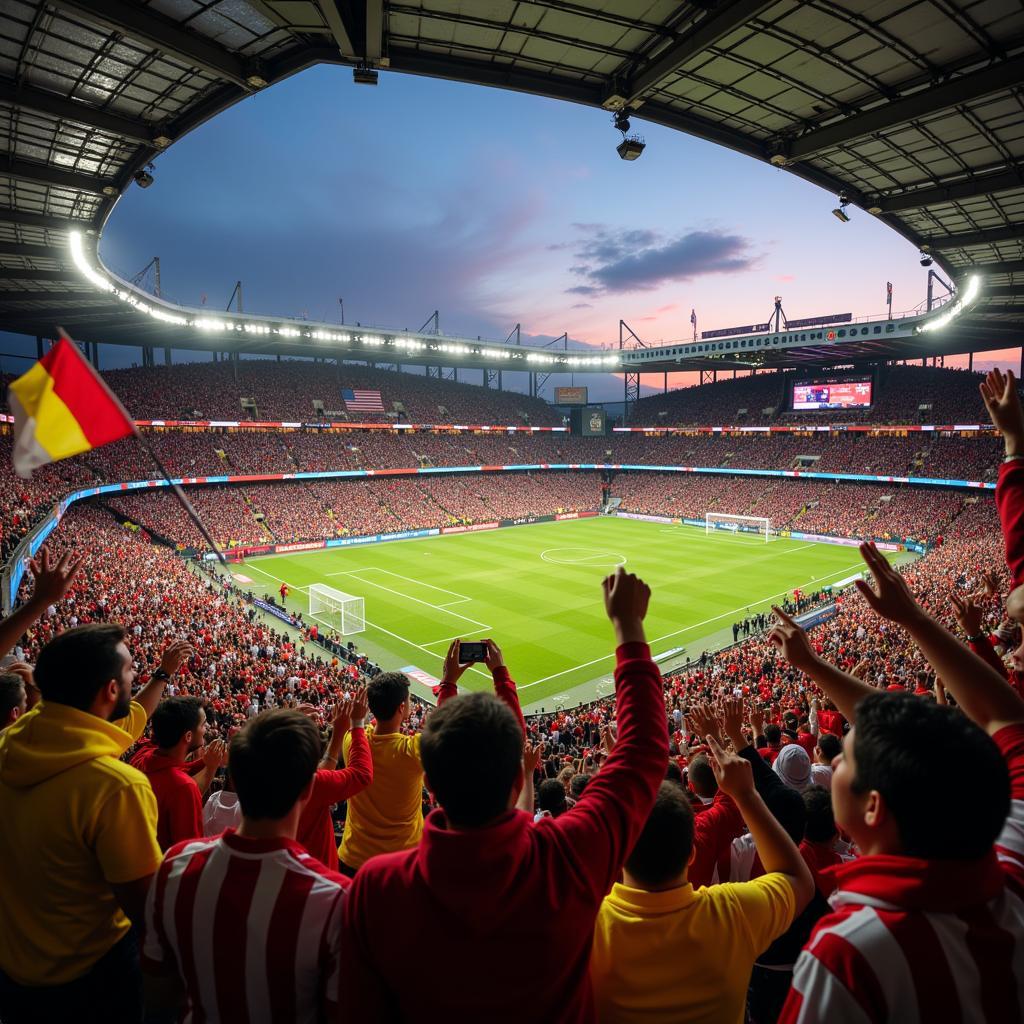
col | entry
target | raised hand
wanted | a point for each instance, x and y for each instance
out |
(608, 737)
(495, 659)
(999, 393)
(532, 754)
(452, 671)
(53, 577)
(891, 597)
(360, 705)
(757, 721)
(733, 773)
(967, 613)
(341, 719)
(732, 722)
(215, 754)
(703, 721)
(792, 641)
(175, 655)
(626, 598)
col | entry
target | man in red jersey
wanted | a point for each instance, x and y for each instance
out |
(331, 784)
(179, 729)
(928, 924)
(486, 886)
(248, 922)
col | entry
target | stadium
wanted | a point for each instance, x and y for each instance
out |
(267, 580)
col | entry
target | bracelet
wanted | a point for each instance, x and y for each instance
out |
(976, 639)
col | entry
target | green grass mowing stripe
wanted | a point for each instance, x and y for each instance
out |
(546, 611)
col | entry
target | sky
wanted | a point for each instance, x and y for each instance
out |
(494, 208)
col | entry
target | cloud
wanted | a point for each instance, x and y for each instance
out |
(639, 259)
(582, 305)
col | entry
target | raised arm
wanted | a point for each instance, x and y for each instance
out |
(532, 754)
(777, 851)
(504, 686)
(349, 717)
(844, 690)
(999, 393)
(969, 617)
(982, 693)
(595, 837)
(52, 580)
(175, 655)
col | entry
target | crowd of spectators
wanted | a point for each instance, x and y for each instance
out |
(763, 835)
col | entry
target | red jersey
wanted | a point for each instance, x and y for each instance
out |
(178, 800)
(252, 927)
(316, 832)
(917, 940)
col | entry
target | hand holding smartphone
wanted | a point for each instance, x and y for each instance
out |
(471, 651)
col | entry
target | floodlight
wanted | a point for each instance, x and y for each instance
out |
(630, 147)
(364, 75)
(926, 260)
(143, 179)
(840, 213)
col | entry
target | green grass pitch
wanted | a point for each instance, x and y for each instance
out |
(536, 591)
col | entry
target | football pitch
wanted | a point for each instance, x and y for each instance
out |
(536, 591)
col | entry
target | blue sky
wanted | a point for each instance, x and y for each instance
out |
(494, 208)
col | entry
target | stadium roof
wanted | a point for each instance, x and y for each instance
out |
(913, 109)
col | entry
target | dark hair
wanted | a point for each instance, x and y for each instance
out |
(913, 753)
(790, 721)
(12, 693)
(551, 797)
(772, 734)
(701, 775)
(673, 773)
(386, 693)
(663, 849)
(821, 825)
(578, 784)
(272, 760)
(831, 746)
(472, 749)
(174, 717)
(73, 667)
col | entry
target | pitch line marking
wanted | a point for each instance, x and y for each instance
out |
(409, 597)
(403, 639)
(408, 579)
(695, 625)
(602, 556)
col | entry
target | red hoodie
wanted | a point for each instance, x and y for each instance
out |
(178, 800)
(1010, 502)
(331, 786)
(449, 931)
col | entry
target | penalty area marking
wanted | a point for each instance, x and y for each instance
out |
(583, 556)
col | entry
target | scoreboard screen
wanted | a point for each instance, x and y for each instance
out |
(570, 396)
(832, 393)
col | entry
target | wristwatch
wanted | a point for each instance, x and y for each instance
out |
(160, 674)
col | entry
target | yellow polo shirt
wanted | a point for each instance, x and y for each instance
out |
(388, 814)
(684, 955)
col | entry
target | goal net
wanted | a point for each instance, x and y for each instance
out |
(341, 610)
(744, 526)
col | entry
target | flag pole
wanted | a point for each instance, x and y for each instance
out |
(176, 488)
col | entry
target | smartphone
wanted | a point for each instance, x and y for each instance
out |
(472, 651)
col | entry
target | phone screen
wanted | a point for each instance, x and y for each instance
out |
(472, 651)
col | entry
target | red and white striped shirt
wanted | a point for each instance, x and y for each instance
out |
(252, 926)
(914, 941)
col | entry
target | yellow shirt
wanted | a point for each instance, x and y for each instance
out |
(388, 814)
(684, 955)
(134, 723)
(73, 819)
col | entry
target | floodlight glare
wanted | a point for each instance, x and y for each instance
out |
(951, 311)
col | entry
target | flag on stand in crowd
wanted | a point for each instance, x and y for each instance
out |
(362, 401)
(62, 407)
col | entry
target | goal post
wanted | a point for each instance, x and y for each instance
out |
(724, 522)
(343, 611)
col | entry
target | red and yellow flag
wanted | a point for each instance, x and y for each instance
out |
(62, 407)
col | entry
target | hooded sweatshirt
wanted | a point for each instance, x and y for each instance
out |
(74, 819)
(178, 800)
(451, 930)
